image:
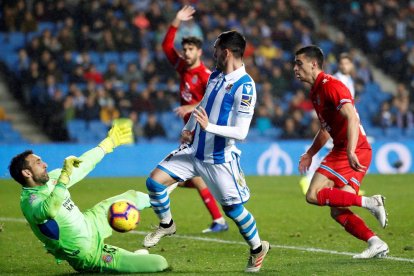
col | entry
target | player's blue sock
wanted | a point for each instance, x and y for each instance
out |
(246, 223)
(159, 199)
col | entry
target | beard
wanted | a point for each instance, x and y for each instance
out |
(191, 62)
(43, 178)
(220, 64)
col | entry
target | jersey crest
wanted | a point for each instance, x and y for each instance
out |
(32, 198)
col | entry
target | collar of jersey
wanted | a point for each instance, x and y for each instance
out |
(236, 74)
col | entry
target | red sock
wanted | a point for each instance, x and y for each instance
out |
(354, 225)
(338, 198)
(210, 203)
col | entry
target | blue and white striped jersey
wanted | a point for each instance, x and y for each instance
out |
(227, 97)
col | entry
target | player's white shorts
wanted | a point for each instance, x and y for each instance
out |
(226, 181)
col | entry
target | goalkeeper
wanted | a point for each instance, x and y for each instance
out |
(66, 232)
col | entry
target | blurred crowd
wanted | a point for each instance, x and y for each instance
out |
(101, 59)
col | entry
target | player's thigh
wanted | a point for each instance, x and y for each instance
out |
(336, 167)
(226, 181)
(177, 166)
(115, 259)
(318, 182)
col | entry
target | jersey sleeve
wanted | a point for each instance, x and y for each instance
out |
(89, 161)
(245, 99)
(168, 47)
(47, 207)
(244, 103)
(339, 95)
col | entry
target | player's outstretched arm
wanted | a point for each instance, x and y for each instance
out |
(119, 134)
(185, 14)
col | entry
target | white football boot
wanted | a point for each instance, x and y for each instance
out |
(153, 238)
(377, 248)
(376, 205)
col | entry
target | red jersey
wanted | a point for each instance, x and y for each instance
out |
(193, 81)
(328, 95)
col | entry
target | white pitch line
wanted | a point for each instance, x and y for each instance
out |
(195, 238)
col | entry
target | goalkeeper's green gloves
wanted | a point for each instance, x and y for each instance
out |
(119, 134)
(68, 165)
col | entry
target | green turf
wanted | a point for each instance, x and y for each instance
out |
(283, 218)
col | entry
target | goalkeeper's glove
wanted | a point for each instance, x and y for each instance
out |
(119, 134)
(68, 165)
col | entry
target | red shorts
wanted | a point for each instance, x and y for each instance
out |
(335, 166)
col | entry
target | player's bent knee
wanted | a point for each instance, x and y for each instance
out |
(154, 186)
(233, 211)
(311, 198)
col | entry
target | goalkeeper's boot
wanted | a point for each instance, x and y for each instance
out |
(256, 260)
(153, 238)
(376, 249)
(217, 227)
(376, 205)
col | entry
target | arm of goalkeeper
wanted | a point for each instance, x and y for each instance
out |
(119, 134)
(68, 165)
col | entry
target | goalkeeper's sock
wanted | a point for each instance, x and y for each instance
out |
(159, 199)
(245, 222)
(354, 225)
(337, 198)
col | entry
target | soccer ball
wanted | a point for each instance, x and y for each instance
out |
(123, 216)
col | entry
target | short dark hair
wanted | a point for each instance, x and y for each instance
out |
(233, 41)
(312, 51)
(193, 40)
(345, 56)
(17, 164)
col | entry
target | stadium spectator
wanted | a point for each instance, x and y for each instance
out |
(137, 129)
(131, 74)
(153, 129)
(194, 76)
(91, 22)
(3, 114)
(385, 119)
(345, 72)
(337, 180)
(109, 112)
(290, 130)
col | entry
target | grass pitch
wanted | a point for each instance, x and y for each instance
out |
(306, 241)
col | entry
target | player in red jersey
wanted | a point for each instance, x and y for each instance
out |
(194, 77)
(337, 180)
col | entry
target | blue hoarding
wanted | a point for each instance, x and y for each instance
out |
(279, 158)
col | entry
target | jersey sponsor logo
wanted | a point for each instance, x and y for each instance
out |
(230, 199)
(32, 198)
(186, 94)
(107, 258)
(247, 97)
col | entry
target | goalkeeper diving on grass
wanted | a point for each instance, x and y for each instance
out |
(67, 233)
